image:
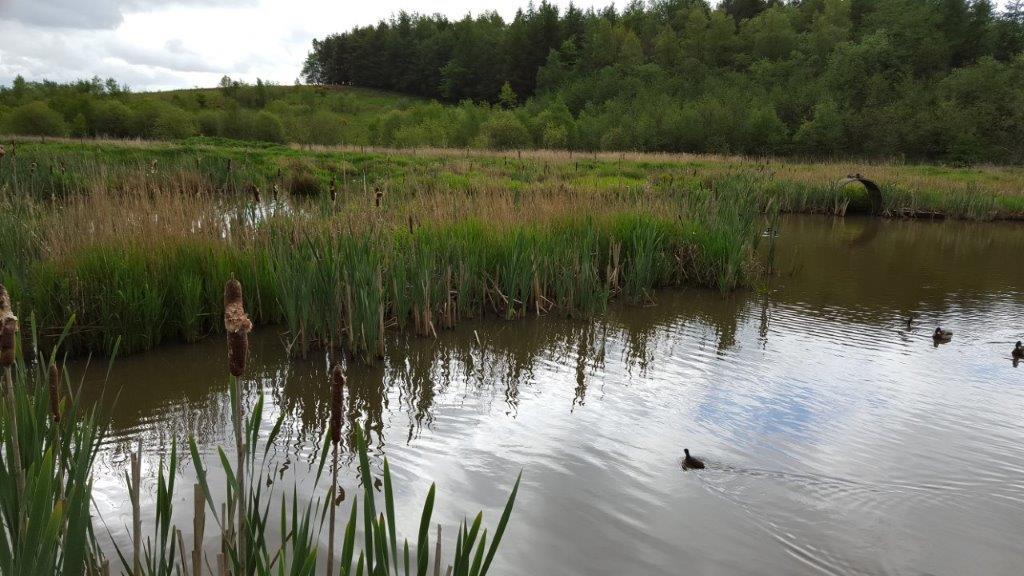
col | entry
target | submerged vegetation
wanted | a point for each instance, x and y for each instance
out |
(50, 443)
(341, 247)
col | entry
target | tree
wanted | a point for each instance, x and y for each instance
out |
(503, 131)
(35, 119)
(268, 127)
(823, 134)
(507, 98)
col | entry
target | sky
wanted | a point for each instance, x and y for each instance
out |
(165, 44)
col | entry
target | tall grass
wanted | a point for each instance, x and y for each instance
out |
(46, 473)
(46, 490)
(135, 246)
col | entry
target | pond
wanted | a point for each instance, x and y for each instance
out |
(838, 440)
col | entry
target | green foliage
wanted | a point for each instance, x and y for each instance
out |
(504, 131)
(47, 530)
(871, 78)
(35, 119)
(268, 127)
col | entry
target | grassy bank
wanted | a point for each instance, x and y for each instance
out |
(342, 245)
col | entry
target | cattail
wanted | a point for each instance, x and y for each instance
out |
(254, 191)
(337, 400)
(54, 393)
(2, 151)
(238, 326)
(8, 328)
(380, 195)
(334, 190)
(410, 223)
(32, 168)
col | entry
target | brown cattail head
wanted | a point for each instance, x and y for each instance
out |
(8, 328)
(337, 400)
(54, 392)
(380, 195)
(238, 326)
(7, 332)
(2, 151)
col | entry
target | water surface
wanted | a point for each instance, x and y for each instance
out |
(838, 439)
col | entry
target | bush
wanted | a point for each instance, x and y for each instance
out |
(173, 123)
(555, 137)
(503, 131)
(323, 127)
(35, 119)
(209, 123)
(300, 177)
(268, 127)
(111, 118)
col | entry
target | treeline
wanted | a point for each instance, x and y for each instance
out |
(262, 111)
(927, 79)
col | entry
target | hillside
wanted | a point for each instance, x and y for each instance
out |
(925, 79)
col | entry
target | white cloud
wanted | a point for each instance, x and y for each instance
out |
(161, 44)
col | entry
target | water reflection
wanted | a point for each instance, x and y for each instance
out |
(826, 422)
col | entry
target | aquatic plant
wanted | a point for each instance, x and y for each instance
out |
(136, 249)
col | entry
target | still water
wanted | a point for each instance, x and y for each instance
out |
(837, 439)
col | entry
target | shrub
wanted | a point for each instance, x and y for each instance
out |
(35, 119)
(555, 137)
(268, 127)
(300, 177)
(209, 123)
(173, 123)
(323, 127)
(503, 131)
(111, 118)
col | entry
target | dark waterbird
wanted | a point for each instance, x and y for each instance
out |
(691, 463)
(940, 335)
(1018, 351)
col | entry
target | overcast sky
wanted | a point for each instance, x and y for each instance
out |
(161, 44)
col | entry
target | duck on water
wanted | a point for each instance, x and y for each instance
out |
(940, 335)
(690, 462)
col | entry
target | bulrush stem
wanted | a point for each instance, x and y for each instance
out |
(238, 326)
(337, 401)
(8, 330)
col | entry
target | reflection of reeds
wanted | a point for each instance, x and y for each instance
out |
(337, 403)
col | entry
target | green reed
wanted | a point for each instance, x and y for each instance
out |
(49, 445)
(339, 271)
(48, 529)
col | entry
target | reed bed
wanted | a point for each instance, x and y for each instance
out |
(342, 246)
(49, 444)
(137, 248)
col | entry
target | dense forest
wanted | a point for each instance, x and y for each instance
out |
(931, 79)
(934, 80)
